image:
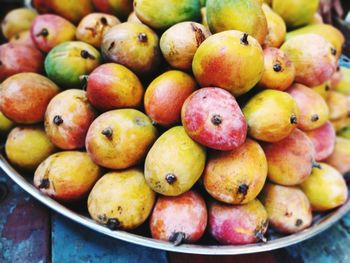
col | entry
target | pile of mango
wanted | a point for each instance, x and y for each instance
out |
(225, 116)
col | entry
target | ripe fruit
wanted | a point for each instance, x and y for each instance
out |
(133, 18)
(165, 96)
(322, 89)
(121, 200)
(236, 177)
(325, 188)
(5, 124)
(238, 225)
(233, 15)
(343, 86)
(276, 28)
(271, 115)
(340, 157)
(119, 139)
(120, 8)
(288, 208)
(68, 118)
(212, 117)
(279, 71)
(33, 94)
(337, 104)
(112, 86)
(66, 176)
(24, 38)
(180, 42)
(174, 163)
(179, 219)
(225, 60)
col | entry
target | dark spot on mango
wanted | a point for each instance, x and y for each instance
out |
(316, 165)
(143, 38)
(85, 54)
(44, 184)
(177, 238)
(113, 223)
(17, 36)
(243, 189)
(315, 118)
(43, 33)
(111, 46)
(333, 51)
(170, 178)
(140, 122)
(216, 120)
(57, 120)
(293, 119)
(327, 88)
(299, 222)
(244, 39)
(277, 67)
(108, 132)
(200, 37)
(288, 214)
(104, 21)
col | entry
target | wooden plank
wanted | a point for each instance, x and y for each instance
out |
(24, 225)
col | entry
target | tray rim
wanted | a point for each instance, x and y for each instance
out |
(326, 222)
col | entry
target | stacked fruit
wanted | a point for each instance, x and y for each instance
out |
(255, 104)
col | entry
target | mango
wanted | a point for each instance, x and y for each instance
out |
(121, 200)
(243, 15)
(204, 20)
(276, 28)
(133, 18)
(314, 58)
(236, 177)
(344, 133)
(225, 60)
(179, 219)
(24, 37)
(288, 208)
(68, 62)
(338, 105)
(67, 176)
(322, 89)
(325, 188)
(68, 118)
(112, 86)
(181, 41)
(165, 96)
(212, 117)
(317, 19)
(134, 46)
(5, 124)
(343, 86)
(92, 28)
(33, 94)
(27, 146)
(174, 163)
(271, 115)
(50, 30)
(158, 15)
(238, 225)
(119, 139)
(120, 8)
(279, 71)
(340, 157)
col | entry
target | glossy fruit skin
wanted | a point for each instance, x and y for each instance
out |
(113, 86)
(340, 158)
(16, 21)
(121, 200)
(68, 118)
(119, 139)
(276, 28)
(27, 146)
(233, 15)
(288, 208)
(313, 58)
(212, 117)
(313, 109)
(158, 15)
(224, 61)
(290, 160)
(48, 31)
(186, 213)
(24, 37)
(181, 41)
(268, 127)
(237, 225)
(236, 177)
(67, 62)
(174, 163)
(279, 71)
(343, 84)
(325, 188)
(73, 11)
(337, 104)
(165, 96)
(120, 8)
(92, 28)
(323, 139)
(5, 124)
(16, 58)
(322, 89)
(33, 94)
(133, 18)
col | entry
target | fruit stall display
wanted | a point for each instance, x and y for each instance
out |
(207, 122)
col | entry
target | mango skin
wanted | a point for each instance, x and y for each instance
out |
(24, 37)
(123, 196)
(223, 61)
(340, 158)
(312, 57)
(133, 18)
(186, 213)
(66, 63)
(176, 154)
(343, 86)
(73, 11)
(338, 105)
(132, 136)
(243, 15)
(271, 115)
(228, 173)
(325, 188)
(344, 133)
(237, 225)
(58, 30)
(165, 96)
(288, 208)
(322, 89)
(16, 21)
(33, 94)
(276, 28)
(76, 115)
(158, 15)
(112, 86)
(120, 8)
(26, 147)
(5, 124)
